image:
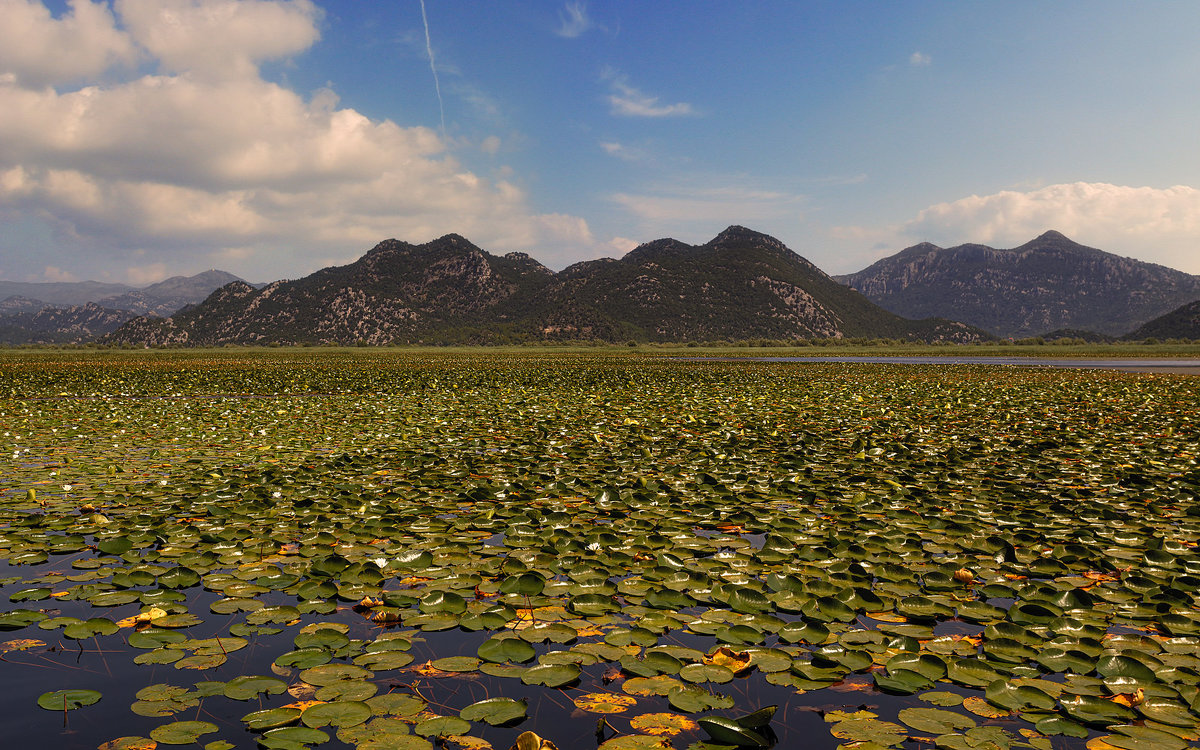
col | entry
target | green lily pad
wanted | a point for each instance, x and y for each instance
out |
(292, 738)
(1095, 712)
(495, 711)
(442, 726)
(901, 681)
(706, 673)
(551, 675)
(245, 688)
(328, 674)
(336, 714)
(181, 732)
(728, 732)
(456, 664)
(694, 699)
(67, 700)
(971, 672)
(1007, 695)
(935, 720)
(1131, 737)
(501, 650)
(271, 718)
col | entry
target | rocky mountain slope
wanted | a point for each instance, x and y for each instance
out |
(1048, 283)
(740, 285)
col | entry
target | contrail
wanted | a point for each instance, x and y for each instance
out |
(433, 67)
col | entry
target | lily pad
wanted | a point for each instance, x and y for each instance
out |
(495, 711)
(336, 714)
(181, 732)
(67, 700)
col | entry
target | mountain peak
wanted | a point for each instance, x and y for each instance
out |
(1051, 234)
(738, 233)
(657, 249)
(1054, 241)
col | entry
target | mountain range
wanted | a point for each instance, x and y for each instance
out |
(1047, 284)
(740, 285)
(77, 312)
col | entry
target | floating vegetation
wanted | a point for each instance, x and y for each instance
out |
(321, 548)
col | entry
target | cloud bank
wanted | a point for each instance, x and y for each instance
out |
(1161, 225)
(157, 140)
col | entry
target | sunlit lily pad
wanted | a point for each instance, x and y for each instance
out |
(604, 703)
(934, 720)
(181, 732)
(336, 714)
(442, 726)
(728, 732)
(271, 718)
(551, 675)
(289, 738)
(495, 711)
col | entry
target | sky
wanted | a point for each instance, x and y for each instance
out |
(141, 139)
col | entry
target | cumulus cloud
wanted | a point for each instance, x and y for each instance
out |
(573, 20)
(919, 59)
(206, 160)
(220, 37)
(628, 101)
(40, 50)
(1156, 224)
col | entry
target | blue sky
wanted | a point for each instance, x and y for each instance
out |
(271, 138)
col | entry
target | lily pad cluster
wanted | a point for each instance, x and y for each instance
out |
(455, 550)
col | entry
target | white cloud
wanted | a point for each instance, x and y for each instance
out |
(573, 20)
(630, 102)
(1161, 225)
(206, 161)
(40, 50)
(220, 37)
(919, 59)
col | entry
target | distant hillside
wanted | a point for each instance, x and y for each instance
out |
(61, 325)
(78, 312)
(1180, 323)
(171, 294)
(741, 285)
(1046, 284)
